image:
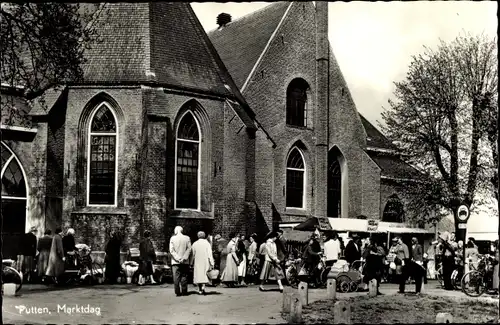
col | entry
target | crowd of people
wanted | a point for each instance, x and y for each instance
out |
(46, 257)
(239, 260)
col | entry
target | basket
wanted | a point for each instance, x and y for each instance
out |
(213, 274)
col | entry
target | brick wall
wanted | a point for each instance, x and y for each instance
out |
(292, 55)
(371, 182)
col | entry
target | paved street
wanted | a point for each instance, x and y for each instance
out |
(158, 304)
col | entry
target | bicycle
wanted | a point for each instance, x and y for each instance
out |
(11, 275)
(477, 282)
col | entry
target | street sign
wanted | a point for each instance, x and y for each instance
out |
(463, 213)
(324, 223)
(462, 226)
(372, 225)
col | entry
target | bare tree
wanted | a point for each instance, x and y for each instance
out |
(43, 44)
(444, 118)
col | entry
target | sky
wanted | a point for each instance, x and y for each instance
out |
(373, 42)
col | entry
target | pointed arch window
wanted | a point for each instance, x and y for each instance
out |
(14, 202)
(187, 178)
(102, 162)
(394, 210)
(295, 179)
(296, 103)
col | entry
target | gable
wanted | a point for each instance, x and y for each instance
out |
(241, 42)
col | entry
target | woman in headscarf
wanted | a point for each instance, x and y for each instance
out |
(271, 263)
(44, 244)
(253, 259)
(373, 266)
(113, 258)
(147, 256)
(230, 273)
(55, 267)
(203, 261)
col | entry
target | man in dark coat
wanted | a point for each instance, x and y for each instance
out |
(352, 250)
(27, 253)
(113, 258)
(312, 256)
(69, 248)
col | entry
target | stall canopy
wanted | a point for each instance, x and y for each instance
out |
(296, 236)
(314, 222)
(361, 225)
(486, 236)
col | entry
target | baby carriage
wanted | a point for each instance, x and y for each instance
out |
(79, 268)
(348, 277)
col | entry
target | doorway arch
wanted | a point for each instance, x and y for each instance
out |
(14, 201)
(337, 196)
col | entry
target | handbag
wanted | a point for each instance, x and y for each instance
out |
(213, 274)
(278, 272)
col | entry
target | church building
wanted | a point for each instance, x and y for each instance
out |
(246, 128)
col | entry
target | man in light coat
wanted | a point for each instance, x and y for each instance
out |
(180, 250)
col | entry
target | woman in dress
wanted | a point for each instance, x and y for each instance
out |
(241, 252)
(55, 267)
(203, 261)
(253, 259)
(271, 263)
(44, 244)
(147, 256)
(230, 273)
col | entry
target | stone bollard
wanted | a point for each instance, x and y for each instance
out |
(331, 289)
(372, 288)
(287, 299)
(445, 318)
(304, 293)
(341, 312)
(295, 315)
(9, 289)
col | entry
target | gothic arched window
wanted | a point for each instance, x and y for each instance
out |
(295, 179)
(296, 103)
(102, 160)
(394, 210)
(187, 164)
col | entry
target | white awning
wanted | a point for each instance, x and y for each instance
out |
(288, 225)
(348, 224)
(491, 236)
(401, 229)
(361, 225)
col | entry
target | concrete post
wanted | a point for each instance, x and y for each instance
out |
(287, 299)
(372, 288)
(304, 293)
(444, 318)
(295, 315)
(9, 289)
(331, 289)
(321, 113)
(341, 312)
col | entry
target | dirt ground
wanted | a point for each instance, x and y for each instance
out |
(394, 309)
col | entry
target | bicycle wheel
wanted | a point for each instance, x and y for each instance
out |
(343, 283)
(11, 275)
(473, 284)
(439, 276)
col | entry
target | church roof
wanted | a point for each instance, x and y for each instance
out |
(241, 42)
(160, 43)
(375, 138)
(395, 168)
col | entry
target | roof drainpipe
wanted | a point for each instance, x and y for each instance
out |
(321, 114)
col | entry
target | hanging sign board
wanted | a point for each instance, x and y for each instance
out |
(372, 225)
(462, 226)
